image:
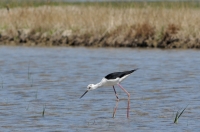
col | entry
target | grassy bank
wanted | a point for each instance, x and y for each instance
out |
(163, 25)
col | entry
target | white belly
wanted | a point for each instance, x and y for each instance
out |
(111, 82)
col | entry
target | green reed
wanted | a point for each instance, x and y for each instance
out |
(44, 107)
(178, 115)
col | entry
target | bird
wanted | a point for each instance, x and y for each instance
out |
(113, 79)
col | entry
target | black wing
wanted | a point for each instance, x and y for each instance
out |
(118, 74)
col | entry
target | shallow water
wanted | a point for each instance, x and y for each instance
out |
(53, 79)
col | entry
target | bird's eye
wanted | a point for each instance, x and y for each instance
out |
(89, 87)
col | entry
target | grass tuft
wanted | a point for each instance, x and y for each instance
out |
(178, 115)
(44, 107)
(144, 30)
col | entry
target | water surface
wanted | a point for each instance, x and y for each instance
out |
(53, 79)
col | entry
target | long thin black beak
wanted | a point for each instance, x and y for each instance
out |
(84, 94)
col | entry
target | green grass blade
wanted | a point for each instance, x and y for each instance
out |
(176, 118)
(44, 106)
(182, 112)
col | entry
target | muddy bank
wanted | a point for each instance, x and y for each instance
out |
(168, 40)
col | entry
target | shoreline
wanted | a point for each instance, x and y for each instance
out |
(169, 41)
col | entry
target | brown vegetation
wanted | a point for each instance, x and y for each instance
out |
(101, 26)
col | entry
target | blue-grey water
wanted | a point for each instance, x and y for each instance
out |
(33, 80)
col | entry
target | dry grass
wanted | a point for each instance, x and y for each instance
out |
(181, 21)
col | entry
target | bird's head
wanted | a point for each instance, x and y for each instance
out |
(89, 88)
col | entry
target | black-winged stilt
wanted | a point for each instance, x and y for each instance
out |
(111, 80)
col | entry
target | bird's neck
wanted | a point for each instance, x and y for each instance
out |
(97, 85)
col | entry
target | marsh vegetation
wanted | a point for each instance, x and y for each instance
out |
(129, 24)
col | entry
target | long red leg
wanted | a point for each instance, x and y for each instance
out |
(116, 102)
(128, 99)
